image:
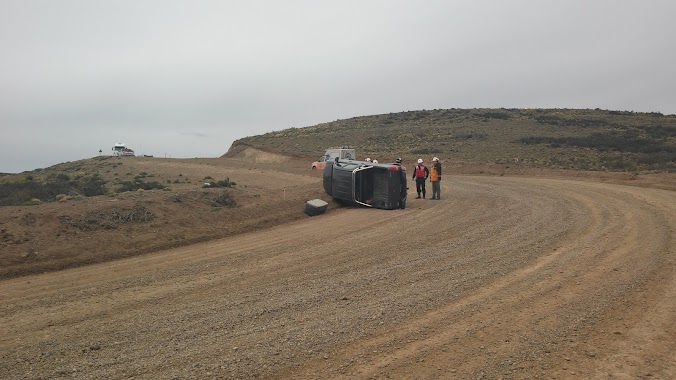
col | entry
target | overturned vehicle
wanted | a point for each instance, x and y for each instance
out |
(366, 183)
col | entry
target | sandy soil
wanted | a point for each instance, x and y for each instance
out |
(53, 236)
(505, 277)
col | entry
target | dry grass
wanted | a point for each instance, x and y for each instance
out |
(542, 138)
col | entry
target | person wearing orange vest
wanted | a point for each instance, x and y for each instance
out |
(435, 178)
(420, 174)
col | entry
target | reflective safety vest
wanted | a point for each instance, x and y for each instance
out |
(420, 171)
(434, 174)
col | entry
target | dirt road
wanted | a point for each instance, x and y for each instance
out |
(503, 278)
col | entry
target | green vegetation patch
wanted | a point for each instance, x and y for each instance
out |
(138, 184)
(210, 182)
(626, 141)
(29, 189)
(625, 150)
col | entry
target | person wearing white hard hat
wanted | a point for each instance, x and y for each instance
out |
(435, 178)
(420, 174)
(375, 161)
(368, 159)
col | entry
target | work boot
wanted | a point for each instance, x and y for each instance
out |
(418, 197)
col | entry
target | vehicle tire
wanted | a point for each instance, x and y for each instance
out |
(402, 204)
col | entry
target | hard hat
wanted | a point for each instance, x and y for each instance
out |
(435, 159)
(375, 161)
(398, 160)
(368, 159)
(420, 161)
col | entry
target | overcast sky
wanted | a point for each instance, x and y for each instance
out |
(187, 78)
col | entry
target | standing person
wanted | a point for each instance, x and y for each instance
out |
(435, 178)
(420, 174)
(398, 161)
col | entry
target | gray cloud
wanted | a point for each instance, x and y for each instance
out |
(78, 76)
(195, 134)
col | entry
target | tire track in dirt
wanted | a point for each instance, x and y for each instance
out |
(622, 234)
(505, 277)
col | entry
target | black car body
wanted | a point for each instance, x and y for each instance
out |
(367, 184)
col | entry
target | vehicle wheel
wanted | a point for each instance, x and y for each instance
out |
(402, 204)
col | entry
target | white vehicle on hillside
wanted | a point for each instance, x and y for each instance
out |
(344, 153)
(120, 149)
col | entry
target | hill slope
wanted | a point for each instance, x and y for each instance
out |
(551, 138)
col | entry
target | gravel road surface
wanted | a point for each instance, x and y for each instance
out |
(503, 278)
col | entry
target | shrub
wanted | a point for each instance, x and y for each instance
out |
(619, 163)
(223, 199)
(471, 135)
(495, 115)
(224, 183)
(90, 185)
(16, 193)
(627, 141)
(139, 185)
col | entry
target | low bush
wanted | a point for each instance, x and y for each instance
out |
(626, 141)
(139, 184)
(109, 219)
(224, 199)
(494, 115)
(223, 183)
(21, 192)
(471, 135)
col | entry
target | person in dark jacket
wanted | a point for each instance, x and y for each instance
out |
(435, 178)
(420, 174)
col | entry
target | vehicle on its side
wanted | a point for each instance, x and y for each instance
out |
(344, 153)
(367, 184)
